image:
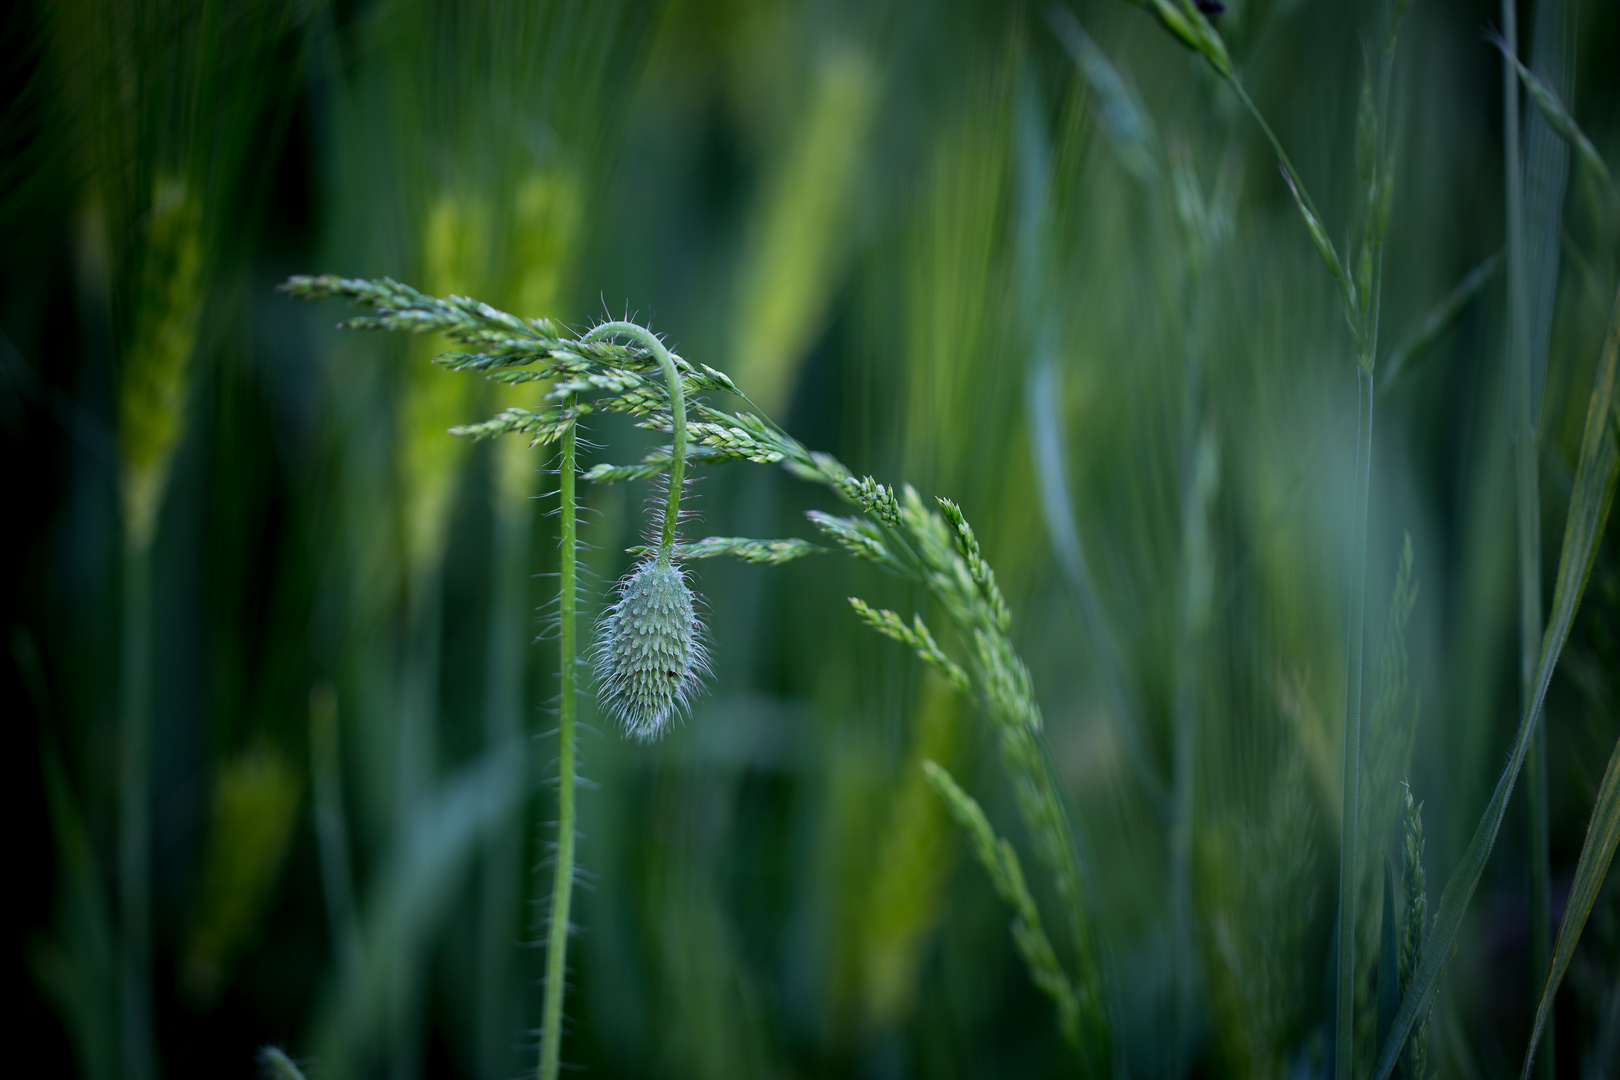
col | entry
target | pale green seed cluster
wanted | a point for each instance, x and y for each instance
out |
(650, 658)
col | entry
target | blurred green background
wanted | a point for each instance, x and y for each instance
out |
(921, 237)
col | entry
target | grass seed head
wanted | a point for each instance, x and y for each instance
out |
(650, 657)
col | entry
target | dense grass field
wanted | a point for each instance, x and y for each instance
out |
(1249, 706)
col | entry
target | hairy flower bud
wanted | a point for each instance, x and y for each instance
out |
(650, 658)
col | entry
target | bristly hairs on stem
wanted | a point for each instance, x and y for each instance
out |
(562, 885)
(650, 657)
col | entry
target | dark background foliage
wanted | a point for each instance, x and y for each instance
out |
(835, 202)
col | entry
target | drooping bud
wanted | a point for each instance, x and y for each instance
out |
(650, 657)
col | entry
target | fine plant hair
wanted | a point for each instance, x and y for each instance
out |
(932, 546)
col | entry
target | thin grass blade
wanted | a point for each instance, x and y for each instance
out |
(1588, 509)
(1389, 990)
(1602, 833)
(1129, 126)
(1557, 115)
(1414, 349)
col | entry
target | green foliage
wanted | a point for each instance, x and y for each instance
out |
(1062, 265)
(1259, 894)
(1588, 511)
(256, 798)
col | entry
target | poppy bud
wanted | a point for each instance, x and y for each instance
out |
(650, 657)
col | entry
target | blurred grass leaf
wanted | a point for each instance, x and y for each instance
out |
(256, 799)
(1555, 112)
(418, 875)
(1414, 348)
(1602, 834)
(803, 228)
(77, 963)
(1588, 510)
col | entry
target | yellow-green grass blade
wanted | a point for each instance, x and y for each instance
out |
(1588, 509)
(1602, 833)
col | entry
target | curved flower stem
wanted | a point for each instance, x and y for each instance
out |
(677, 412)
(563, 883)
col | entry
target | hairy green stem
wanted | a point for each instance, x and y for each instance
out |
(134, 810)
(1528, 498)
(563, 883)
(677, 412)
(1344, 1012)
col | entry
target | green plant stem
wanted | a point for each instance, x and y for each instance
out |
(1528, 498)
(331, 830)
(134, 810)
(1271, 137)
(1344, 1011)
(1192, 613)
(677, 411)
(563, 883)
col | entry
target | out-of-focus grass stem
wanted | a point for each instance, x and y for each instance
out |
(1344, 1009)
(503, 710)
(563, 882)
(1527, 492)
(331, 829)
(134, 816)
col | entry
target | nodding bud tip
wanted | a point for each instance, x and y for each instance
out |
(650, 658)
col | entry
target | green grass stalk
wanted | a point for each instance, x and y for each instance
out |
(1345, 989)
(563, 882)
(1528, 497)
(1360, 286)
(134, 810)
